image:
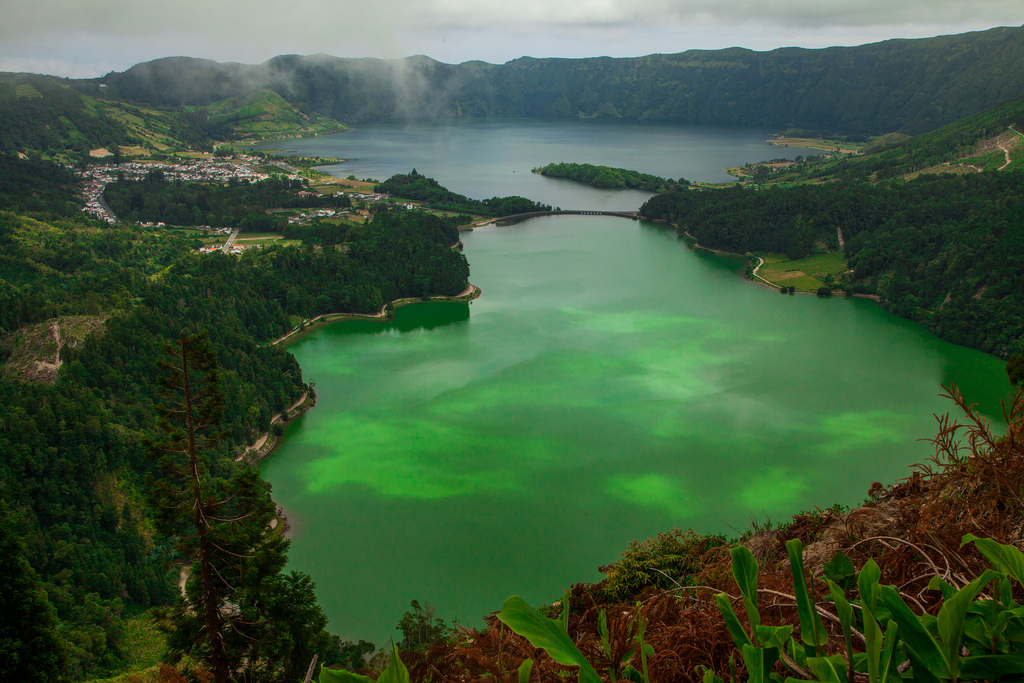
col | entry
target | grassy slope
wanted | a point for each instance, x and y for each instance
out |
(81, 122)
(265, 114)
(807, 274)
(973, 141)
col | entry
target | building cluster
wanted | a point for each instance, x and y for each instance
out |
(375, 197)
(316, 213)
(95, 205)
(235, 249)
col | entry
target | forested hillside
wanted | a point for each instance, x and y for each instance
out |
(978, 142)
(944, 250)
(897, 85)
(41, 113)
(79, 458)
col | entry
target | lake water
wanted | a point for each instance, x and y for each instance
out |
(487, 158)
(608, 385)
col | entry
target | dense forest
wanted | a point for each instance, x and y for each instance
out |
(898, 85)
(941, 249)
(606, 177)
(28, 187)
(81, 453)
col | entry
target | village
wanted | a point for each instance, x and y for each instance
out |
(198, 170)
(239, 169)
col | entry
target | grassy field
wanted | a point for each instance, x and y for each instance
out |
(817, 143)
(328, 184)
(263, 239)
(259, 235)
(806, 274)
(27, 91)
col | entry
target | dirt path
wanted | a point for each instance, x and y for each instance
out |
(186, 571)
(754, 273)
(1006, 151)
(261, 442)
(47, 369)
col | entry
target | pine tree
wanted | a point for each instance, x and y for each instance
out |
(236, 602)
(188, 493)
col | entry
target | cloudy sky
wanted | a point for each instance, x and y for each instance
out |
(91, 37)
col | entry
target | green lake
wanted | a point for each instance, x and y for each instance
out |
(609, 384)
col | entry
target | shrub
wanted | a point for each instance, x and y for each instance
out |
(669, 558)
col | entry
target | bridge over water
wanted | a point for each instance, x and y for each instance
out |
(515, 218)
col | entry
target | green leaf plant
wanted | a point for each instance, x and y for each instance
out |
(549, 634)
(395, 672)
(977, 635)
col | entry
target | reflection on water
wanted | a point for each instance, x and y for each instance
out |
(412, 317)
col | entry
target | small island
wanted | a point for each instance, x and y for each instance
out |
(609, 177)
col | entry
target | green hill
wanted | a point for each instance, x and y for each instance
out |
(897, 85)
(42, 116)
(262, 115)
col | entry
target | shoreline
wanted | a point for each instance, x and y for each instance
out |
(267, 442)
(385, 313)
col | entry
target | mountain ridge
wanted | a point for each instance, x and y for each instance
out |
(906, 85)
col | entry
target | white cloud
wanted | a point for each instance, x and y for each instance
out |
(56, 67)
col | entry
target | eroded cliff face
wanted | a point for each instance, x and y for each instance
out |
(35, 349)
